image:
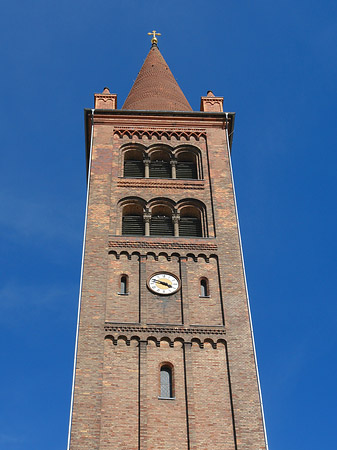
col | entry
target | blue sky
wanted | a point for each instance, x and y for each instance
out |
(275, 65)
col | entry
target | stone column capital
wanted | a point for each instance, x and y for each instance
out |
(175, 217)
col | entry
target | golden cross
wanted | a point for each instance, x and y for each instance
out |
(154, 33)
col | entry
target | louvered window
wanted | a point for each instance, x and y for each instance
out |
(133, 169)
(166, 390)
(160, 169)
(186, 169)
(161, 226)
(133, 226)
(190, 226)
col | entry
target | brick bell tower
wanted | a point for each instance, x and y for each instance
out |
(165, 356)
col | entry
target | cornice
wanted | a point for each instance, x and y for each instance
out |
(169, 119)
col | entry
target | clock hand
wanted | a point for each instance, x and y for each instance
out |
(163, 282)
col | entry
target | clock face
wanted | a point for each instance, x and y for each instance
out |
(163, 283)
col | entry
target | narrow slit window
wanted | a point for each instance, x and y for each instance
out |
(123, 285)
(204, 292)
(166, 382)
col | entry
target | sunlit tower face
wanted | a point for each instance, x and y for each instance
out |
(165, 357)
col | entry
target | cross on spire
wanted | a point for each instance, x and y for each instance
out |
(154, 40)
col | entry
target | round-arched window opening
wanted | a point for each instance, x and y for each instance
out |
(161, 221)
(204, 288)
(132, 222)
(187, 166)
(166, 382)
(160, 166)
(124, 285)
(133, 164)
(190, 222)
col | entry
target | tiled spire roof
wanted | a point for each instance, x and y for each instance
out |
(155, 88)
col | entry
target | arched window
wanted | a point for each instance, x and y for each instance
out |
(160, 166)
(190, 222)
(166, 389)
(123, 288)
(204, 289)
(133, 164)
(161, 221)
(186, 166)
(132, 222)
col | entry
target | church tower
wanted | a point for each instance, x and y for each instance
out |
(165, 355)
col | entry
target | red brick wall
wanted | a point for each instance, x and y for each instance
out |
(204, 311)
(213, 415)
(122, 308)
(119, 427)
(166, 419)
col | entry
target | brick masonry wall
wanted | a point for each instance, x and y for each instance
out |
(204, 311)
(86, 419)
(122, 308)
(208, 340)
(119, 428)
(213, 415)
(246, 401)
(166, 419)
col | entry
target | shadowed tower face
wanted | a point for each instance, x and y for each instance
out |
(165, 356)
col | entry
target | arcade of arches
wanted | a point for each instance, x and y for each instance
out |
(162, 161)
(163, 218)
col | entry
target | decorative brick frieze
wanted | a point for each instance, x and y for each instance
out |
(200, 335)
(155, 254)
(161, 245)
(161, 132)
(146, 183)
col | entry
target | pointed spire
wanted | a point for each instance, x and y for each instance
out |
(155, 88)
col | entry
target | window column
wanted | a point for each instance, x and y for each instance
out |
(147, 167)
(175, 220)
(173, 163)
(147, 218)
